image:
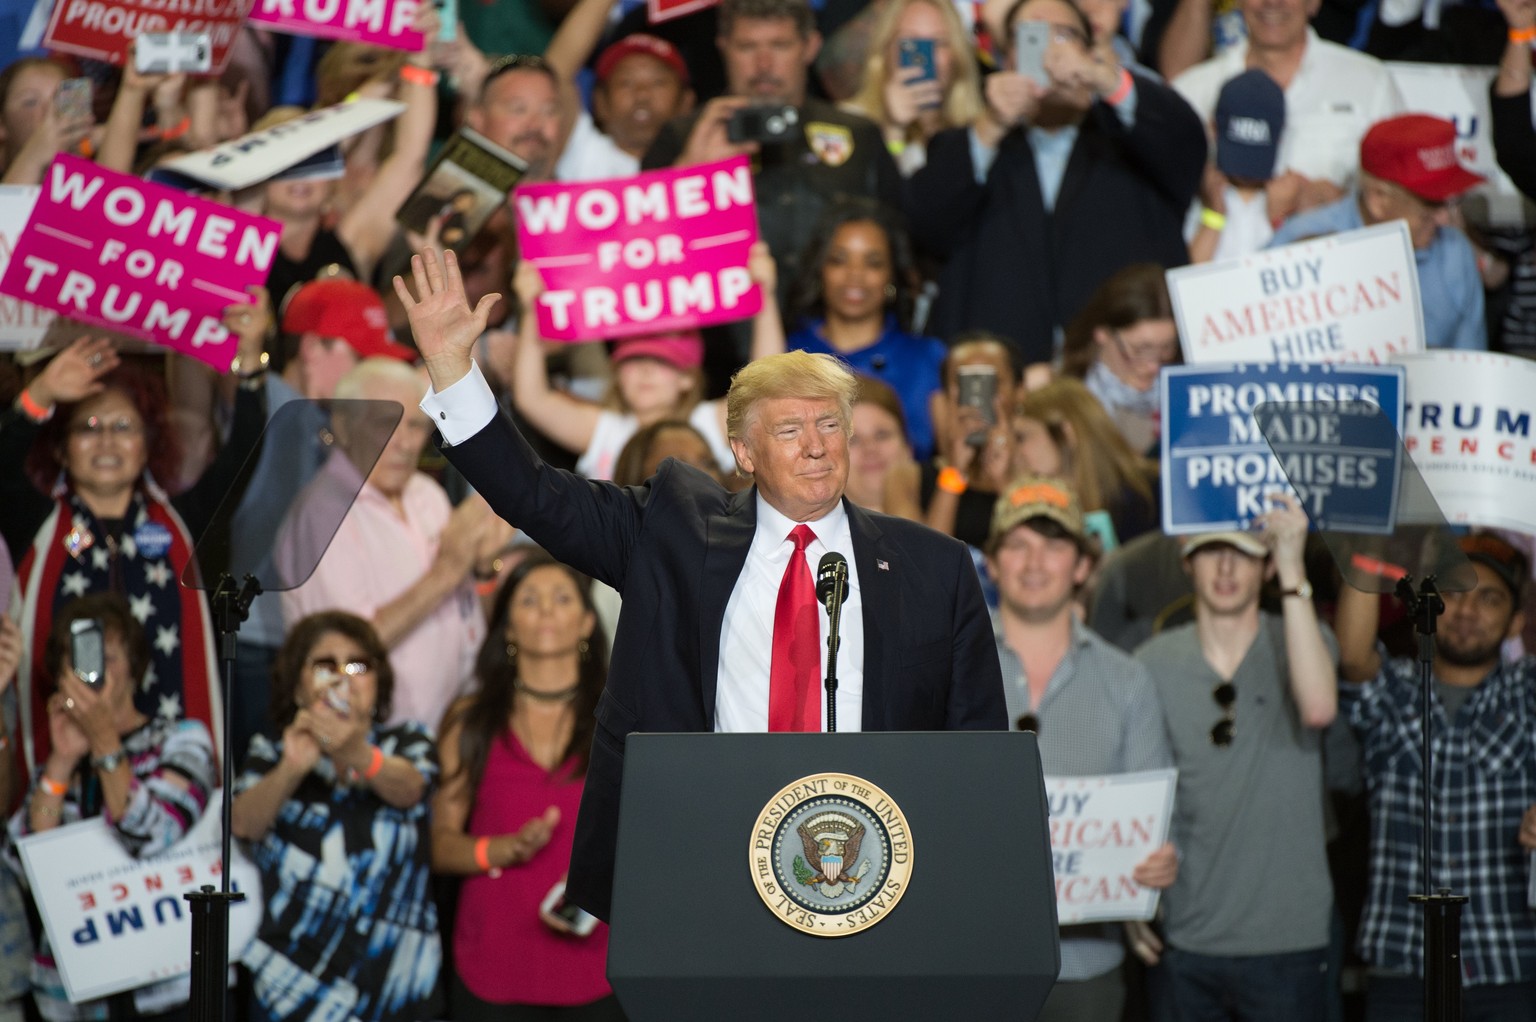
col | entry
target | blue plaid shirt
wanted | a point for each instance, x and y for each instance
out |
(1484, 766)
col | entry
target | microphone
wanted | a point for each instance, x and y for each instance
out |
(832, 580)
(831, 589)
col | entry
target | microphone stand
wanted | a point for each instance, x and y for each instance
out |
(210, 908)
(1442, 909)
(834, 605)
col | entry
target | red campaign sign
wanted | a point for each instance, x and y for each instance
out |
(102, 29)
(665, 10)
(111, 250)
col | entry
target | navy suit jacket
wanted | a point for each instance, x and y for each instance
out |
(673, 547)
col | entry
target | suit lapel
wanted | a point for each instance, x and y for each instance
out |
(880, 604)
(730, 537)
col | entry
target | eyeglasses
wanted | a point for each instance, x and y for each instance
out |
(96, 427)
(1225, 729)
(328, 666)
(1150, 352)
(1028, 722)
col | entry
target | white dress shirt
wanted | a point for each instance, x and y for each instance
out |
(746, 635)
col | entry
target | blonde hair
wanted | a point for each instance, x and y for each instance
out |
(1100, 464)
(792, 374)
(962, 101)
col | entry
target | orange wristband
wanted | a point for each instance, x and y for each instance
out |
(952, 481)
(1118, 96)
(483, 854)
(375, 764)
(418, 75)
(31, 409)
(1522, 35)
(49, 786)
(177, 130)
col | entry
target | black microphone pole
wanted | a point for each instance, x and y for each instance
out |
(831, 590)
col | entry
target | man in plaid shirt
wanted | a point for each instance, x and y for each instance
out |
(1483, 726)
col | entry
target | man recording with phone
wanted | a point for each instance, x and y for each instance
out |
(806, 153)
(1075, 169)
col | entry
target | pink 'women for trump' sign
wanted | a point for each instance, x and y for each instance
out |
(665, 250)
(111, 250)
(379, 22)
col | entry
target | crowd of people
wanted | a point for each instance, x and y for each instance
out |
(953, 378)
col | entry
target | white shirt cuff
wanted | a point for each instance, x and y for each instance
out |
(462, 410)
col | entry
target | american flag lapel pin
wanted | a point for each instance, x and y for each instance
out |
(882, 565)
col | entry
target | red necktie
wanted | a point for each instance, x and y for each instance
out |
(793, 698)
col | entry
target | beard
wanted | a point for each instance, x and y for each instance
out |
(1469, 654)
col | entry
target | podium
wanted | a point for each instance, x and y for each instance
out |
(865, 876)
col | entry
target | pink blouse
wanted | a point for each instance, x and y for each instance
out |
(504, 952)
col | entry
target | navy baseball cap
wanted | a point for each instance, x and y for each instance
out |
(1250, 115)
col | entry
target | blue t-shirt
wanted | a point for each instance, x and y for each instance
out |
(907, 363)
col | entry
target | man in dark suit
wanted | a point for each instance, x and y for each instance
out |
(703, 572)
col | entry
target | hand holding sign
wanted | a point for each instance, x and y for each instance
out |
(443, 324)
(1285, 530)
(250, 324)
(1159, 869)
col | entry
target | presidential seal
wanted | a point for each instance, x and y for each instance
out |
(831, 854)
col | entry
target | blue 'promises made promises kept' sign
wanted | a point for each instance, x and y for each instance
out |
(1334, 427)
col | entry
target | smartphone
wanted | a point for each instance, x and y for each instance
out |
(448, 20)
(768, 125)
(1030, 41)
(917, 53)
(73, 102)
(581, 922)
(173, 53)
(87, 653)
(978, 390)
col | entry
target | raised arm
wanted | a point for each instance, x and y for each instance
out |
(1313, 680)
(369, 224)
(568, 421)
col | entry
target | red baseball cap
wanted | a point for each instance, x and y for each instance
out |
(1418, 152)
(651, 46)
(683, 349)
(346, 309)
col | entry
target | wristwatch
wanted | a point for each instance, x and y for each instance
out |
(109, 762)
(1304, 590)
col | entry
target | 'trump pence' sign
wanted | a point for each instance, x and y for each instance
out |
(111, 250)
(665, 250)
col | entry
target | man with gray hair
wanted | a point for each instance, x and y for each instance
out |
(403, 557)
(712, 579)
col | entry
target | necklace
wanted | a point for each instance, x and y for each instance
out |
(563, 695)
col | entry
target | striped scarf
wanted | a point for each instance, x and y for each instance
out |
(72, 555)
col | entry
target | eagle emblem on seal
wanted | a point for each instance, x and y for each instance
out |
(831, 863)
